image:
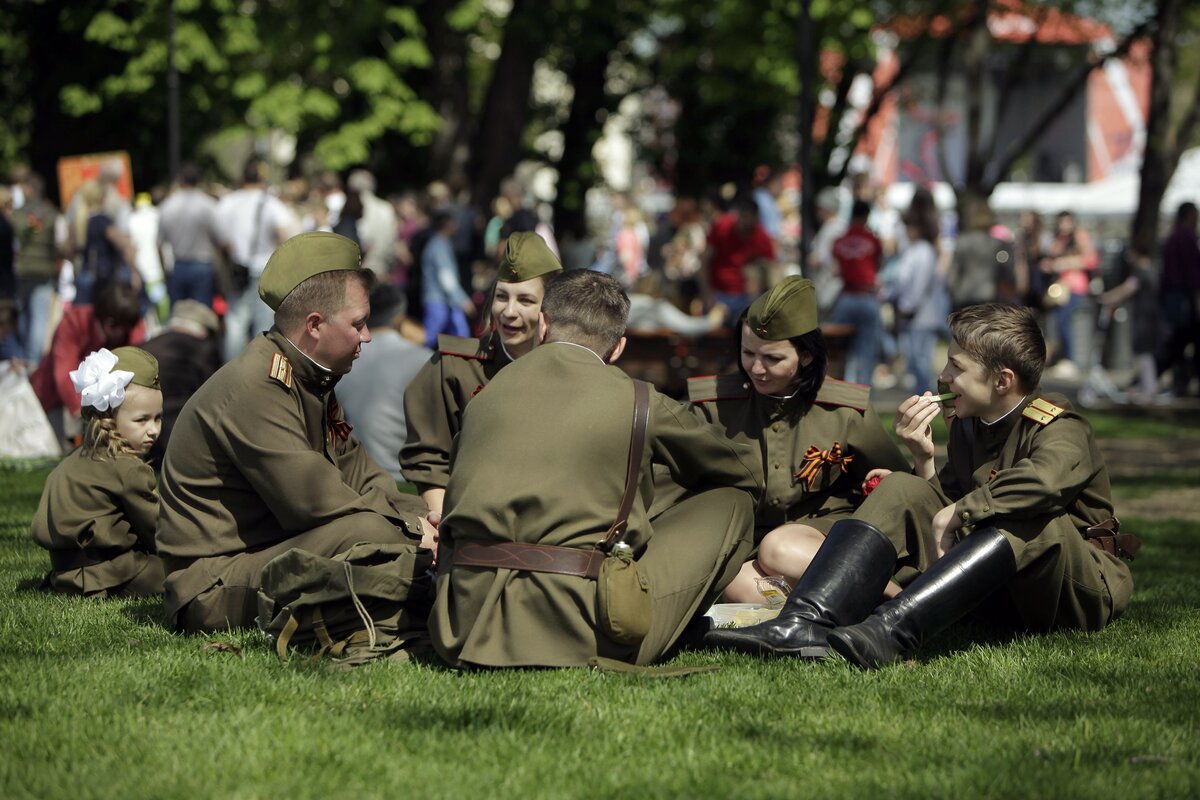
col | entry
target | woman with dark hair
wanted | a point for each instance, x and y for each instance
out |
(819, 437)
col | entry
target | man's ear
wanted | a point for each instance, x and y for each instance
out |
(543, 327)
(1006, 380)
(616, 351)
(312, 324)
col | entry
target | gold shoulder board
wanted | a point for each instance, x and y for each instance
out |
(1042, 411)
(281, 369)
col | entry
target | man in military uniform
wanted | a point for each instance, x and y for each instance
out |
(262, 460)
(435, 399)
(1022, 509)
(548, 468)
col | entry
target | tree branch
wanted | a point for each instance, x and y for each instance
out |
(1187, 126)
(1053, 109)
(882, 92)
(1017, 69)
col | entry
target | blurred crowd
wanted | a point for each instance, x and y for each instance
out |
(183, 263)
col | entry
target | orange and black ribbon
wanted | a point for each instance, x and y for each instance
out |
(816, 459)
(336, 421)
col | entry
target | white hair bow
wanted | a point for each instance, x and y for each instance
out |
(99, 385)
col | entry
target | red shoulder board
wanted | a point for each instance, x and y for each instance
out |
(462, 347)
(710, 388)
(847, 395)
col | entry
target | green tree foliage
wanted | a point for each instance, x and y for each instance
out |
(332, 73)
(733, 72)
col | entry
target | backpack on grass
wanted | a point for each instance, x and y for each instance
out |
(370, 602)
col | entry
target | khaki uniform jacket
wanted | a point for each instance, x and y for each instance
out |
(261, 453)
(549, 467)
(806, 478)
(435, 400)
(97, 509)
(1034, 470)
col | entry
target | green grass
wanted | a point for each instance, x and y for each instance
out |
(98, 700)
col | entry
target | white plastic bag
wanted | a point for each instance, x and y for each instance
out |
(24, 430)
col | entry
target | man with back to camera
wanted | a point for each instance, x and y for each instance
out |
(541, 464)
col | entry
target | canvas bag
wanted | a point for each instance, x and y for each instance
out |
(623, 604)
(24, 430)
(370, 602)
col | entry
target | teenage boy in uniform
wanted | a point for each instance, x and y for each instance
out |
(1022, 511)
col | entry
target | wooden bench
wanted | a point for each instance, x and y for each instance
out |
(667, 359)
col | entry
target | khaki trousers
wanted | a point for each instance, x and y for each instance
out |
(1061, 581)
(222, 592)
(697, 548)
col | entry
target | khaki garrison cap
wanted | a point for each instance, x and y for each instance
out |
(526, 256)
(143, 365)
(300, 258)
(787, 311)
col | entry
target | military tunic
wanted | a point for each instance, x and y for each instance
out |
(96, 517)
(815, 460)
(435, 400)
(549, 467)
(261, 461)
(1038, 476)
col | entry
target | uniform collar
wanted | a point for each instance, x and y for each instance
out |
(316, 378)
(581, 347)
(999, 430)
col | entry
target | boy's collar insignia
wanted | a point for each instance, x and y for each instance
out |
(281, 369)
(1042, 411)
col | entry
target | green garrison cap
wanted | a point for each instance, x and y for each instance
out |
(301, 257)
(526, 256)
(143, 365)
(788, 310)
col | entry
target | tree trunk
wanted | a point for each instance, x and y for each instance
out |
(576, 167)
(975, 56)
(1161, 155)
(448, 91)
(496, 147)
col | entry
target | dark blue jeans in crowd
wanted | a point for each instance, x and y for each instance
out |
(192, 280)
(862, 311)
(441, 318)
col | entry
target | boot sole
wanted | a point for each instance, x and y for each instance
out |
(846, 649)
(757, 648)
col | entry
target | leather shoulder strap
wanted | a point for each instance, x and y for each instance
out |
(637, 443)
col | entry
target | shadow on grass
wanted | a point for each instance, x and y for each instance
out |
(27, 585)
(146, 611)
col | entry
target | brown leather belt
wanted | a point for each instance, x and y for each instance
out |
(530, 558)
(1107, 537)
(62, 560)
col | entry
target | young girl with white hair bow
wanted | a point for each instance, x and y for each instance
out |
(99, 506)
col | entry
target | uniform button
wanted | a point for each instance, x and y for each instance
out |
(966, 515)
(775, 427)
(776, 466)
(987, 508)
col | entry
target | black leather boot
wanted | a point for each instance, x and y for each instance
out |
(956, 583)
(843, 583)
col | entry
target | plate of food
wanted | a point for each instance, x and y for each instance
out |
(739, 615)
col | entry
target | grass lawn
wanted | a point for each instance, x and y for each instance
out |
(98, 700)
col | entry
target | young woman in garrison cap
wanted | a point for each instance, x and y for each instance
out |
(460, 367)
(818, 437)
